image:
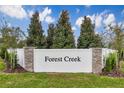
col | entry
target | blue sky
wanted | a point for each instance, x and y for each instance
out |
(101, 15)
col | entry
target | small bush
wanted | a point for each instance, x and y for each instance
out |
(121, 55)
(2, 65)
(3, 51)
(13, 60)
(10, 59)
(110, 62)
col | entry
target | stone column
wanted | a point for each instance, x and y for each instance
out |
(97, 60)
(29, 58)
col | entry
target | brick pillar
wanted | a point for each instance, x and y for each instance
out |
(29, 58)
(96, 60)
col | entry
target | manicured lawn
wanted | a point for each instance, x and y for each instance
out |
(55, 80)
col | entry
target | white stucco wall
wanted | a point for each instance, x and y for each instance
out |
(84, 66)
(20, 57)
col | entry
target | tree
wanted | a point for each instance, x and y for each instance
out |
(36, 38)
(51, 32)
(11, 36)
(118, 40)
(59, 38)
(63, 37)
(88, 38)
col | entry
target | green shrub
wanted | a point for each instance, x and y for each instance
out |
(2, 65)
(121, 55)
(13, 60)
(110, 62)
(3, 51)
(9, 58)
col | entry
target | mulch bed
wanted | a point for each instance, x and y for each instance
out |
(113, 74)
(18, 69)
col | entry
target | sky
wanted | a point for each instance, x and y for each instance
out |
(101, 15)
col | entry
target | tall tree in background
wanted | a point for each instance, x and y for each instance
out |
(51, 33)
(118, 42)
(12, 37)
(36, 38)
(88, 38)
(63, 37)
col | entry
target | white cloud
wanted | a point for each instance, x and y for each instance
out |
(30, 13)
(49, 19)
(79, 21)
(96, 19)
(121, 24)
(9, 24)
(45, 13)
(13, 11)
(74, 28)
(110, 19)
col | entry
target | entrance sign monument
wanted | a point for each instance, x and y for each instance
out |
(63, 60)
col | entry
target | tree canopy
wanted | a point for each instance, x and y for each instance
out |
(63, 37)
(88, 38)
(36, 37)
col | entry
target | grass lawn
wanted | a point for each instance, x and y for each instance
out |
(55, 80)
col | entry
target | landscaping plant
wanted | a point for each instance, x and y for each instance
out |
(10, 58)
(13, 60)
(3, 50)
(110, 62)
(2, 65)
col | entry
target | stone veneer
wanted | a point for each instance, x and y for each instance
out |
(29, 58)
(96, 60)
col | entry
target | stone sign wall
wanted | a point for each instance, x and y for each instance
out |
(62, 60)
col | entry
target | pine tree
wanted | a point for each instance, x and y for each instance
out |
(63, 33)
(88, 38)
(59, 38)
(51, 30)
(36, 38)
